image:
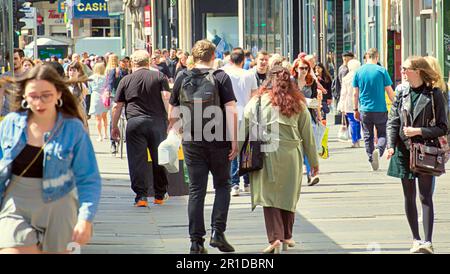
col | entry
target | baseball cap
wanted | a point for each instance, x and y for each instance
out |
(348, 54)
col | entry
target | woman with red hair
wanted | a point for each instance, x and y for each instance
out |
(302, 72)
(287, 132)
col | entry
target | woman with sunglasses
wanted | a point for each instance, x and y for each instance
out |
(424, 122)
(49, 180)
(301, 71)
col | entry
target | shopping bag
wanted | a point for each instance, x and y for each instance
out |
(319, 132)
(324, 145)
(168, 153)
(343, 134)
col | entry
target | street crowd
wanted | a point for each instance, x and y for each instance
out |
(266, 111)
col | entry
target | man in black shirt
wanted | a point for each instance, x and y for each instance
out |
(204, 156)
(142, 95)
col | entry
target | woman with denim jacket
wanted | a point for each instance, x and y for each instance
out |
(427, 121)
(49, 179)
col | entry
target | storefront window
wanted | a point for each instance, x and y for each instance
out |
(349, 25)
(222, 30)
(263, 25)
(310, 24)
(330, 26)
(105, 28)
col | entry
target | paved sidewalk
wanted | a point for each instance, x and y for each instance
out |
(352, 210)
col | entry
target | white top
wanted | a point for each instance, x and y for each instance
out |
(346, 100)
(244, 82)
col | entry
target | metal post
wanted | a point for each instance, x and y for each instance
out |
(35, 36)
(11, 35)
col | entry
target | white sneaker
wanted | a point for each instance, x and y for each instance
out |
(426, 248)
(235, 191)
(375, 160)
(416, 246)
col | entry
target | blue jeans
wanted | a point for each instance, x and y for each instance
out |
(235, 180)
(308, 167)
(355, 127)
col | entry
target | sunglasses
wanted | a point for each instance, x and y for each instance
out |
(303, 68)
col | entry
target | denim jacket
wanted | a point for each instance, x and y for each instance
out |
(69, 161)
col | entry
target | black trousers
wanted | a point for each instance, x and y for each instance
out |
(143, 133)
(200, 160)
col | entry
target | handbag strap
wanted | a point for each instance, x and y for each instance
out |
(34, 159)
(433, 122)
(258, 116)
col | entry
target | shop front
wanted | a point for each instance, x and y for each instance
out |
(266, 26)
(217, 23)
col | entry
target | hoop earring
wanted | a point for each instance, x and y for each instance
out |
(60, 103)
(24, 104)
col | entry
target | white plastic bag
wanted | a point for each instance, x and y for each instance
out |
(168, 153)
(343, 134)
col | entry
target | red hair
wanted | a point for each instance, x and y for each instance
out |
(309, 79)
(283, 92)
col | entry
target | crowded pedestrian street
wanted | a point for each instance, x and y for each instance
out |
(351, 211)
(238, 128)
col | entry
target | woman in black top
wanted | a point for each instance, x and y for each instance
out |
(324, 78)
(416, 98)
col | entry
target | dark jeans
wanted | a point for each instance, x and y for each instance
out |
(371, 120)
(143, 133)
(200, 160)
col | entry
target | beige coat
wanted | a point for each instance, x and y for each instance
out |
(278, 184)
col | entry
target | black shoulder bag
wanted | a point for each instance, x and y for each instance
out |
(251, 157)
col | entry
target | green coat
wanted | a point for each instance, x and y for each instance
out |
(278, 184)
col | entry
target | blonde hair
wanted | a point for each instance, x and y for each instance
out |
(275, 60)
(203, 51)
(434, 63)
(190, 62)
(353, 65)
(113, 62)
(427, 73)
(99, 69)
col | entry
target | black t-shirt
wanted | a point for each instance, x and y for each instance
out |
(226, 95)
(25, 158)
(164, 69)
(141, 93)
(260, 78)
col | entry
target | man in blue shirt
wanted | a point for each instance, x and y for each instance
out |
(370, 84)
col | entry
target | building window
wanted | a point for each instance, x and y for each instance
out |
(105, 28)
(263, 25)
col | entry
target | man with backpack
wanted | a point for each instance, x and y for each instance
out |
(209, 141)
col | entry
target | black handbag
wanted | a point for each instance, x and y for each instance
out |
(425, 159)
(251, 157)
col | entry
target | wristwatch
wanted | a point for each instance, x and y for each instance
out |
(356, 110)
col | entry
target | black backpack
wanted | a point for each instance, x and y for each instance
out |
(198, 89)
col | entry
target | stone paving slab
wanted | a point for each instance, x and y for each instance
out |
(351, 209)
